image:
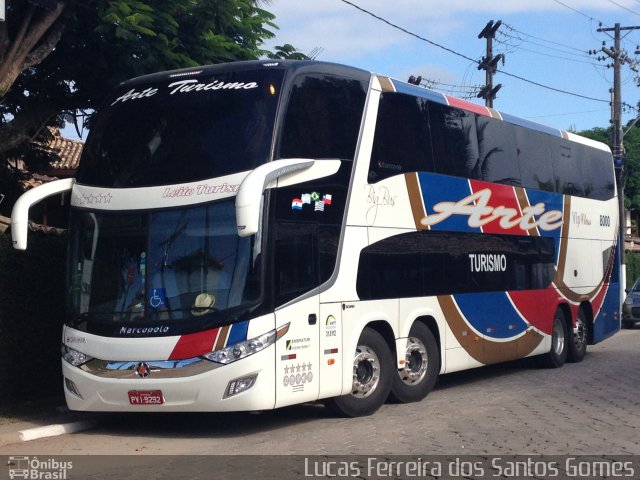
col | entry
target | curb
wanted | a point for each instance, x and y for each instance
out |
(52, 430)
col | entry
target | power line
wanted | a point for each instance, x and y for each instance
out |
(463, 91)
(408, 32)
(550, 54)
(577, 11)
(624, 8)
(600, 22)
(518, 77)
(529, 35)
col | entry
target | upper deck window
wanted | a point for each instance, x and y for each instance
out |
(323, 117)
(183, 129)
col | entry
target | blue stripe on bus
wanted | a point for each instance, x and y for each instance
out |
(491, 314)
(238, 333)
(552, 201)
(529, 124)
(606, 322)
(442, 188)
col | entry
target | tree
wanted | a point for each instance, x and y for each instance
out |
(34, 38)
(631, 162)
(287, 52)
(61, 57)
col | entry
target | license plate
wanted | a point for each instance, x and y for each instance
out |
(151, 397)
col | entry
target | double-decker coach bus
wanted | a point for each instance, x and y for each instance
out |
(253, 235)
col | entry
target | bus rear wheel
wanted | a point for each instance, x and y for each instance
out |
(421, 367)
(579, 339)
(557, 355)
(372, 370)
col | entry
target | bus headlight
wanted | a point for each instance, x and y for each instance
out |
(242, 349)
(75, 357)
(248, 347)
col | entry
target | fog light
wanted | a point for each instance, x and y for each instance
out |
(240, 385)
(72, 387)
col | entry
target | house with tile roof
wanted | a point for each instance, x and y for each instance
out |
(52, 212)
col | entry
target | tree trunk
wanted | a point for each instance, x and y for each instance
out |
(37, 36)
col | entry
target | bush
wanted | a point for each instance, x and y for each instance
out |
(632, 260)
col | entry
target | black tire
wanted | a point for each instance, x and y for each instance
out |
(579, 339)
(628, 324)
(372, 374)
(557, 355)
(422, 357)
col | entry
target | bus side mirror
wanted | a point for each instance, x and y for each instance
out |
(20, 212)
(249, 197)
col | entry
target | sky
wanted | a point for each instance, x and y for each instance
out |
(545, 41)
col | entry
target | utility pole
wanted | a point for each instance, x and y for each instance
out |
(489, 62)
(619, 58)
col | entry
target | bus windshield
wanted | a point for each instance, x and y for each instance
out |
(161, 266)
(182, 129)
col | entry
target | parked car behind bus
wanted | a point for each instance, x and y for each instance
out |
(631, 306)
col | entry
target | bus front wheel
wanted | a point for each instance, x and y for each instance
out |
(372, 370)
(557, 355)
(421, 366)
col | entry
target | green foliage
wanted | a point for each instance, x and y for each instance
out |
(287, 52)
(108, 41)
(631, 162)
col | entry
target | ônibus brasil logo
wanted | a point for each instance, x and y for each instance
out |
(38, 469)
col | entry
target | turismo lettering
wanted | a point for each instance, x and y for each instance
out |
(192, 85)
(476, 207)
(484, 262)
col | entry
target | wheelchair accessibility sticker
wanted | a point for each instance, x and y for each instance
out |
(157, 298)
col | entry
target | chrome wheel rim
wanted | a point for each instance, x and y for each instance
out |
(558, 337)
(366, 372)
(416, 362)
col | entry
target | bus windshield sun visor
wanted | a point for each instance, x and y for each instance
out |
(249, 199)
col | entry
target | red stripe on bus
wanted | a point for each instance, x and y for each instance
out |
(501, 196)
(537, 306)
(469, 106)
(194, 344)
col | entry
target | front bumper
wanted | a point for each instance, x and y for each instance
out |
(189, 386)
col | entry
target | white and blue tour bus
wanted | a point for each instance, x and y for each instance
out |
(253, 235)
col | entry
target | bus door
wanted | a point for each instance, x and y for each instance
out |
(295, 287)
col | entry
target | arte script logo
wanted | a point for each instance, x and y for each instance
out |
(186, 86)
(476, 207)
